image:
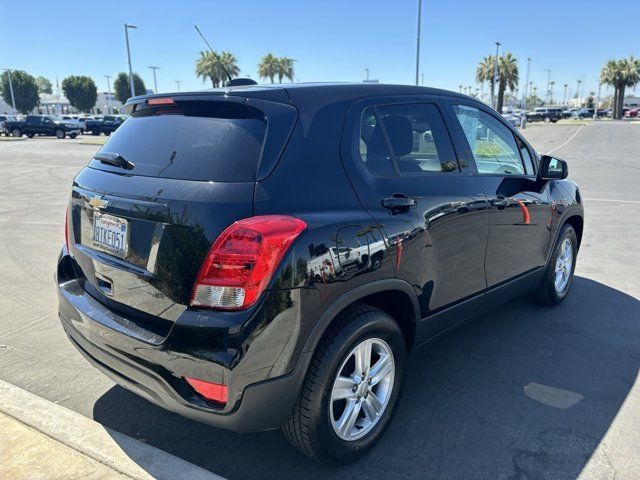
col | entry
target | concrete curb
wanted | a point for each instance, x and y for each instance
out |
(116, 450)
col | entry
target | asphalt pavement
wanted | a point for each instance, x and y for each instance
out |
(524, 392)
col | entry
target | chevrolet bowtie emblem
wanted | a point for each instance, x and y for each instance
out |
(98, 203)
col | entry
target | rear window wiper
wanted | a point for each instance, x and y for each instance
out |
(114, 159)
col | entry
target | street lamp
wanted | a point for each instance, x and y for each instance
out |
(564, 98)
(108, 77)
(13, 100)
(525, 91)
(126, 35)
(178, 82)
(155, 83)
(418, 41)
(578, 94)
(548, 70)
(495, 76)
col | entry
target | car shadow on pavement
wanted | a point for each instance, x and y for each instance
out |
(523, 392)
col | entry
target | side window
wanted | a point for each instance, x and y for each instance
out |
(526, 157)
(406, 139)
(492, 144)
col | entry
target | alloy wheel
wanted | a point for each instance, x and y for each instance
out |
(362, 389)
(564, 265)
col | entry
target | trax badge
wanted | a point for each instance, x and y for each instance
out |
(98, 203)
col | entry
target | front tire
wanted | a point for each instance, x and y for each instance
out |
(60, 134)
(558, 277)
(29, 135)
(352, 387)
(16, 132)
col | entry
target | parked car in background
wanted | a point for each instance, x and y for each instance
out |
(569, 112)
(632, 112)
(265, 257)
(107, 124)
(543, 114)
(514, 120)
(43, 125)
(3, 119)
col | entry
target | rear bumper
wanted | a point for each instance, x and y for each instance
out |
(154, 367)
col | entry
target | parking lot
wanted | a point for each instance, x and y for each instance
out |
(524, 392)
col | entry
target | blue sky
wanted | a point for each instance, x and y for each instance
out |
(331, 39)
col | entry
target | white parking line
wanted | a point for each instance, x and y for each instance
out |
(637, 202)
(563, 144)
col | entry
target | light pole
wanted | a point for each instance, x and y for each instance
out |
(418, 41)
(535, 96)
(178, 82)
(13, 99)
(367, 74)
(595, 107)
(564, 98)
(548, 70)
(578, 94)
(523, 106)
(155, 83)
(108, 77)
(126, 35)
(495, 76)
(552, 84)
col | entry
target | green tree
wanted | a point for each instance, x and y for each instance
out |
(25, 90)
(122, 90)
(268, 67)
(284, 68)
(620, 74)
(209, 67)
(81, 91)
(44, 85)
(484, 72)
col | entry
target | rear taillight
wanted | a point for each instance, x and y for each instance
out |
(242, 261)
(66, 229)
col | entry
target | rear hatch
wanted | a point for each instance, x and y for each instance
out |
(146, 209)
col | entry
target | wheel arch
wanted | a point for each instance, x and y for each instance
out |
(577, 222)
(393, 296)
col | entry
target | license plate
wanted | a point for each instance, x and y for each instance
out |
(110, 234)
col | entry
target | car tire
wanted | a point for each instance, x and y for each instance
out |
(95, 132)
(60, 134)
(16, 132)
(547, 120)
(319, 413)
(30, 135)
(73, 135)
(107, 133)
(558, 277)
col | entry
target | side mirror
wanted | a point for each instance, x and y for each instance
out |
(552, 168)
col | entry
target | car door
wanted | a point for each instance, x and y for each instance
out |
(520, 214)
(404, 167)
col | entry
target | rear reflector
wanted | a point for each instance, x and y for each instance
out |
(161, 101)
(215, 392)
(242, 261)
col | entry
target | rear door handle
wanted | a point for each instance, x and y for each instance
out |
(398, 202)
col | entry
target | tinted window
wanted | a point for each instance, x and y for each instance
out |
(192, 141)
(526, 157)
(492, 144)
(405, 139)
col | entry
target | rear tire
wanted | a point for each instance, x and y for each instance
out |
(16, 132)
(314, 427)
(558, 277)
(30, 135)
(547, 120)
(73, 135)
(107, 133)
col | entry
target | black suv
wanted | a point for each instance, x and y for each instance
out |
(265, 257)
(42, 125)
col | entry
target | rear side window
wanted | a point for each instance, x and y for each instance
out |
(407, 139)
(215, 141)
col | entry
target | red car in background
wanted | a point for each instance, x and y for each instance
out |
(632, 112)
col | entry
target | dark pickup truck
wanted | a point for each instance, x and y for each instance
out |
(42, 125)
(106, 125)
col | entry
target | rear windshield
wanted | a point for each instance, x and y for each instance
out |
(215, 141)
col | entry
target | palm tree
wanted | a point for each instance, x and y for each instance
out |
(268, 67)
(209, 67)
(620, 74)
(507, 74)
(484, 72)
(284, 68)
